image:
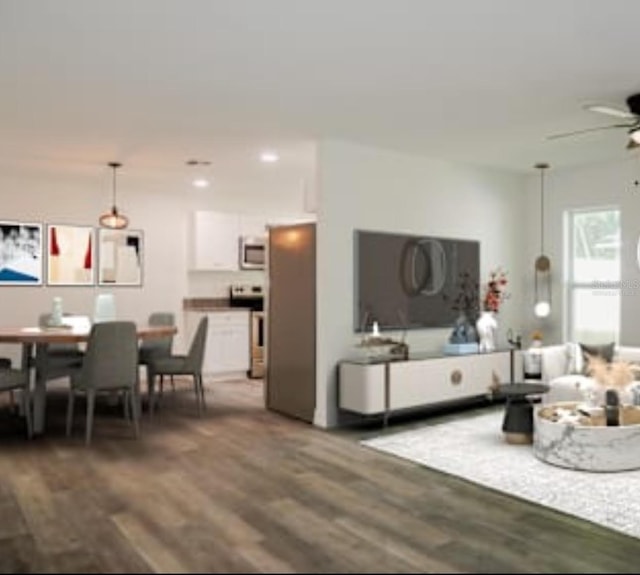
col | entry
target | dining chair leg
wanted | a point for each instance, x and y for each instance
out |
(151, 393)
(26, 406)
(135, 410)
(204, 403)
(91, 403)
(125, 406)
(173, 384)
(197, 392)
(70, 404)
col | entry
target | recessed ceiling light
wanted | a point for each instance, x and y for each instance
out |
(200, 183)
(269, 157)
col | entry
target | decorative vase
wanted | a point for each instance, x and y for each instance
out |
(487, 327)
(463, 331)
(55, 319)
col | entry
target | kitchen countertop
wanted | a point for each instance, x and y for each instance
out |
(210, 304)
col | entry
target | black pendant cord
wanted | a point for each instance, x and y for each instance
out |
(542, 166)
(114, 166)
(542, 211)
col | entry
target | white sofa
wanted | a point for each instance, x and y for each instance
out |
(565, 385)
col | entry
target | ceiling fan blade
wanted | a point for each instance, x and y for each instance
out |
(611, 111)
(587, 130)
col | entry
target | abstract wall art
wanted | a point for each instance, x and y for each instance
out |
(20, 253)
(120, 257)
(70, 255)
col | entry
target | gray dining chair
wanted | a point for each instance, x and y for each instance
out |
(158, 346)
(17, 379)
(189, 364)
(110, 364)
(62, 359)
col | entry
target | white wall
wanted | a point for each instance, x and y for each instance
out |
(158, 204)
(599, 185)
(365, 188)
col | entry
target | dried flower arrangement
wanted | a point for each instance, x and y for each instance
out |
(467, 300)
(614, 375)
(495, 290)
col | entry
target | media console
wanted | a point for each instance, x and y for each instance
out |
(374, 386)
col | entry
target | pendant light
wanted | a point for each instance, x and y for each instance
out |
(114, 219)
(542, 291)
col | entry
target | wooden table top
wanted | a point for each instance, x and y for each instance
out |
(65, 335)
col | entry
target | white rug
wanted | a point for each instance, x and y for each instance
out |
(473, 448)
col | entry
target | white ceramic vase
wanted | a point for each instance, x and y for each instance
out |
(487, 327)
(56, 312)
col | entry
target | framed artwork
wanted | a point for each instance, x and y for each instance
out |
(20, 253)
(70, 255)
(120, 257)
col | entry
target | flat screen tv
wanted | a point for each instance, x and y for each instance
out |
(411, 282)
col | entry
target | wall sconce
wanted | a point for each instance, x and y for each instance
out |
(114, 219)
(542, 285)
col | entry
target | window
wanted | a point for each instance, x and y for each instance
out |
(593, 278)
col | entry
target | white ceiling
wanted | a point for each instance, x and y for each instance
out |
(155, 82)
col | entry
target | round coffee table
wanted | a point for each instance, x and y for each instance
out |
(588, 445)
(518, 414)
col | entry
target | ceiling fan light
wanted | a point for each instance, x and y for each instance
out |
(635, 135)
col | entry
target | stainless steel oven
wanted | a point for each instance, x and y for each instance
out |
(252, 297)
(252, 252)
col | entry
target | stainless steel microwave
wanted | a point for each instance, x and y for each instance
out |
(252, 252)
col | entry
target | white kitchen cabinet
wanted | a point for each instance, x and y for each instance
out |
(227, 349)
(253, 225)
(290, 219)
(215, 241)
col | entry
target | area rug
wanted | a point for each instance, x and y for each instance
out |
(473, 448)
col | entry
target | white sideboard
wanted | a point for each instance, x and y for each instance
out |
(379, 387)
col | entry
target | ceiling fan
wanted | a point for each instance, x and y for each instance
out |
(632, 115)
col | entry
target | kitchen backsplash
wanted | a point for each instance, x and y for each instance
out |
(216, 284)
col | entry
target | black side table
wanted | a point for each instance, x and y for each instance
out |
(518, 414)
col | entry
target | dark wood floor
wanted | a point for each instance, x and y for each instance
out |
(244, 490)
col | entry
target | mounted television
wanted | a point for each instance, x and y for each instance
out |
(410, 282)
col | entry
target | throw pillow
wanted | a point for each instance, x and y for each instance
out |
(574, 359)
(605, 351)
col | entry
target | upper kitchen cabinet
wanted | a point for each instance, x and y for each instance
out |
(215, 241)
(253, 225)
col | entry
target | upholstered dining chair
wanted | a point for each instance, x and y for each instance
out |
(12, 379)
(110, 364)
(159, 346)
(189, 364)
(62, 358)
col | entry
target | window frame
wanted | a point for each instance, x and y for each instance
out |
(570, 285)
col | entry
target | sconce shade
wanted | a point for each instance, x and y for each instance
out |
(114, 219)
(542, 271)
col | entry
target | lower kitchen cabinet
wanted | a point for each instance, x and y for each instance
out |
(227, 349)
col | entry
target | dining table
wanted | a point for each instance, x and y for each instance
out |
(39, 338)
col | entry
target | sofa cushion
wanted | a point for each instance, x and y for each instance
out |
(604, 351)
(570, 388)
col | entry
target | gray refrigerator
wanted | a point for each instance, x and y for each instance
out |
(291, 321)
